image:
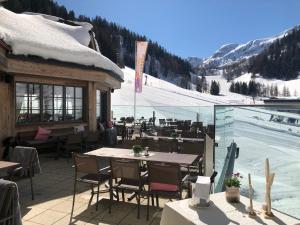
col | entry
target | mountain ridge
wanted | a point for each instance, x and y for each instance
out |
(234, 59)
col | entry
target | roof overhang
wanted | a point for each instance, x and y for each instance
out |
(36, 66)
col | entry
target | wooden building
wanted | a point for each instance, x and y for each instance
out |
(48, 92)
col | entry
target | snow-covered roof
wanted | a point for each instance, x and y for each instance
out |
(41, 35)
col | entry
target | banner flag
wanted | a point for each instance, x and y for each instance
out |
(140, 56)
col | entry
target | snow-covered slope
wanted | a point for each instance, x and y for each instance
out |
(162, 93)
(292, 85)
(40, 35)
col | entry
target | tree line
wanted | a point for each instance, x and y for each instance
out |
(203, 86)
(281, 60)
(257, 89)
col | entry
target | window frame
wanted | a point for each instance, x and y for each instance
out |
(41, 104)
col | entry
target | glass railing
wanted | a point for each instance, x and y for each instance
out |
(246, 136)
(201, 114)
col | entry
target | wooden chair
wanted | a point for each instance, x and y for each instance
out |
(167, 145)
(8, 208)
(162, 122)
(92, 141)
(164, 179)
(128, 177)
(92, 174)
(73, 143)
(194, 148)
(27, 168)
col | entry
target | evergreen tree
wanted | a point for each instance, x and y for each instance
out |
(244, 88)
(214, 88)
(231, 88)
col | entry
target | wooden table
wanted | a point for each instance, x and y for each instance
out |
(177, 138)
(220, 212)
(4, 165)
(183, 159)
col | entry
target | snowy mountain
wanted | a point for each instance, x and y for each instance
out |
(195, 61)
(234, 53)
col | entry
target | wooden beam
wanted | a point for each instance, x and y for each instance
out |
(58, 71)
(92, 106)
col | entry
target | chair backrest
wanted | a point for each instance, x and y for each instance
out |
(168, 145)
(85, 163)
(188, 134)
(166, 132)
(125, 169)
(93, 137)
(127, 144)
(7, 209)
(120, 129)
(74, 139)
(25, 156)
(162, 121)
(166, 173)
(192, 147)
(149, 142)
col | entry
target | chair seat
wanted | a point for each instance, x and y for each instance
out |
(94, 178)
(163, 187)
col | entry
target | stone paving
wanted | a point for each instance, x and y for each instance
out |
(53, 200)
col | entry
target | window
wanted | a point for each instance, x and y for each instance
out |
(48, 103)
(74, 100)
(98, 104)
(52, 103)
(101, 105)
(27, 102)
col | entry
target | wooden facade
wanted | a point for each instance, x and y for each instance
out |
(25, 69)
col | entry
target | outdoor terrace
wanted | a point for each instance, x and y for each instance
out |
(53, 200)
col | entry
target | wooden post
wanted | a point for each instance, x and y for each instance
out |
(250, 209)
(269, 181)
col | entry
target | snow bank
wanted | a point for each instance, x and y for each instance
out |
(41, 35)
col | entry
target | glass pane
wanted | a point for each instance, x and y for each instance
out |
(21, 89)
(58, 91)
(98, 97)
(58, 102)
(78, 92)
(48, 115)
(78, 103)
(34, 89)
(58, 114)
(22, 103)
(78, 115)
(69, 92)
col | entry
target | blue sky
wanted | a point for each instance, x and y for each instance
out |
(195, 27)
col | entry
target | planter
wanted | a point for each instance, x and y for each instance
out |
(232, 194)
(136, 154)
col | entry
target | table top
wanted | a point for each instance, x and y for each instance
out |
(220, 212)
(184, 159)
(7, 165)
(177, 138)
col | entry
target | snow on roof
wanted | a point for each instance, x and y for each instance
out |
(41, 35)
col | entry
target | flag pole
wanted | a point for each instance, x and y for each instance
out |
(134, 89)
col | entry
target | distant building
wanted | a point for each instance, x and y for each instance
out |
(294, 101)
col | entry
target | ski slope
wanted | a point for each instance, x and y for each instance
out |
(162, 93)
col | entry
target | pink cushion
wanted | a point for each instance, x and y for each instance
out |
(42, 134)
(109, 124)
(163, 187)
